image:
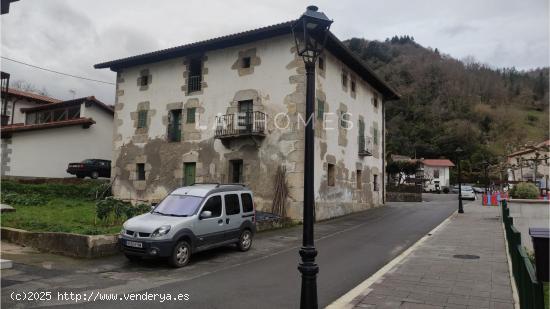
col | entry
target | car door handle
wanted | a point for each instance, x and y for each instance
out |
(220, 221)
(227, 221)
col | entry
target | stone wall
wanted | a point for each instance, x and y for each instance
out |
(403, 197)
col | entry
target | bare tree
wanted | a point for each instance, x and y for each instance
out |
(29, 87)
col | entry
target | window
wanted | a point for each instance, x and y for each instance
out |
(195, 75)
(320, 109)
(321, 63)
(142, 119)
(375, 136)
(358, 179)
(174, 125)
(344, 79)
(248, 205)
(179, 205)
(236, 171)
(232, 204)
(214, 205)
(375, 182)
(353, 86)
(436, 173)
(191, 114)
(375, 101)
(330, 175)
(245, 63)
(144, 80)
(140, 171)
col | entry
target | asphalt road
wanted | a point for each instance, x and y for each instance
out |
(351, 249)
(348, 254)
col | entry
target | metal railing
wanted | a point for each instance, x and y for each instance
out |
(194, 83)
(365, 145)
(247, 123)
(530, 290)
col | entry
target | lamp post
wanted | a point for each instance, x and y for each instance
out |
(310, 33)
(459, 152)
(485, 166)
(420, 177)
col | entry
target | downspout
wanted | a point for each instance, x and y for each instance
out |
(383, 151)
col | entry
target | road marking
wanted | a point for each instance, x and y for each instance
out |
(345, 301)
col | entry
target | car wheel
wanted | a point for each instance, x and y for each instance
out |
(180, 254)
(132, 258)
(94, 175)
(245, 240)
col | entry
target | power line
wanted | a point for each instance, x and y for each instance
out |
(57, 72)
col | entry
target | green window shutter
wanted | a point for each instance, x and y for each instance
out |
(191, 114)
(320, 109)
(142, 119)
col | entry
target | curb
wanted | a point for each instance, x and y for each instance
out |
(348, 300)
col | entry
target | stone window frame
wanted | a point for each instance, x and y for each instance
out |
(204, 71)
(254, 61)
(144, 74)
(140, 133)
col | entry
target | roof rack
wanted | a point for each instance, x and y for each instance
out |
(233, 184)
(207, 183)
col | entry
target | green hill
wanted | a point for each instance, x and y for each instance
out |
(446, 102)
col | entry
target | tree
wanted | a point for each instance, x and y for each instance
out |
(29, 87)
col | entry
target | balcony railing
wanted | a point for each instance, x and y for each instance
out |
(240, 124)
(365, 145)
(194, 83)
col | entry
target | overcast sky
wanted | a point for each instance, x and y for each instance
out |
(72, 36)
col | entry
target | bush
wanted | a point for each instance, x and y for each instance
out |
(445, 190)
(85, 190)
(23, 199)
(525, 190)
(113, 211)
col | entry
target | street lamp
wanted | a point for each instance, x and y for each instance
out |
(419, 175)
(485, 164)
(459, 152)
(310, 33)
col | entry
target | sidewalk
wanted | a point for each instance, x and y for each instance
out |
(432, 276)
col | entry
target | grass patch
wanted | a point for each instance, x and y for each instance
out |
(59, 215)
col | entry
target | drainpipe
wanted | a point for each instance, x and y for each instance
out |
(383, 151)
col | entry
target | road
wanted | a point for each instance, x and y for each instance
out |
(351, 248)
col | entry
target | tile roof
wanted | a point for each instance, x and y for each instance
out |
(32, 96)
(437, 162)
(86, 100)
(333, 44)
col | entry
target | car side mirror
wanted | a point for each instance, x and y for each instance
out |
(206, 214)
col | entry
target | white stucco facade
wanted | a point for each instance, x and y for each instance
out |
(275, 83)
(46, 152)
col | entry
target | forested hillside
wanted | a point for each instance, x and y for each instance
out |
(446, 102)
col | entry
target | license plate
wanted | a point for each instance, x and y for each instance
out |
(134, 244)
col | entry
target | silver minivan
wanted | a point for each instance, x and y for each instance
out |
(189, 220)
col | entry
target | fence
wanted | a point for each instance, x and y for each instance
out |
(530, 290)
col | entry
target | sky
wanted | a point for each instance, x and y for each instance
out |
(72, 36)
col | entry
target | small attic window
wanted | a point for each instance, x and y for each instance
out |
(321, 63)
(144, 80)
(245, 63)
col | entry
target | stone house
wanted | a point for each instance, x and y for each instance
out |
(521, 164)
(231, 109)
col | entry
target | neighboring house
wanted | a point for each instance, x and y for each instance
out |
(228, 110)
(54, 134)
(436, 173)
(17, 99)
(521, 164)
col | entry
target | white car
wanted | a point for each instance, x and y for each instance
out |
(468, 193)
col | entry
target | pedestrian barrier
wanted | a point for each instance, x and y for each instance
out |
(530, 290)
(494, 198)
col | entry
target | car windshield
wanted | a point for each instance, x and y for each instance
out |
(178, 205)
(88, 161)
(466, 188)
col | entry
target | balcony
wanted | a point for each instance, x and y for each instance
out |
(241, 124)
(365, 146)
(194, 83)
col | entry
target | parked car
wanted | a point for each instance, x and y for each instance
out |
(478, 190)
(189, 220)
(92, 168)
(468, 193)
(454, 189)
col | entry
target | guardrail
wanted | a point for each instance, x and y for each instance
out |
(530, 290)
(241, 124)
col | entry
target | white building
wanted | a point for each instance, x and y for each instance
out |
(436, 173)
(47, 137)
(177, 112)
(17, 99)
(531, 163)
